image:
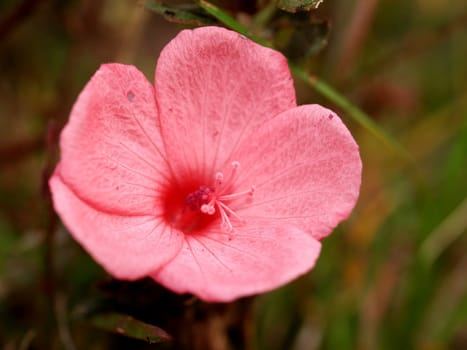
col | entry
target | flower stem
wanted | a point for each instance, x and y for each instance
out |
(445, 234)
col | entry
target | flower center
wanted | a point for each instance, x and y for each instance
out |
(201, 206)
(221, 195)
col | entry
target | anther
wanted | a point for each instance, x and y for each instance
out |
(235, 166)
(208, 209)
(219, 178)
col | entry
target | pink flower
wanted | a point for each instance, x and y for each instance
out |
(213, 181)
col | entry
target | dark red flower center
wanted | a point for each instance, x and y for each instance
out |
(191, 209)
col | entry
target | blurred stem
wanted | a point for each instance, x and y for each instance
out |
(60, 308)
(265, 15)
(134, 24)
(354, 36)
(318, 85)
(218, 326)
(50, 323)
(27, 340)
(445, 234)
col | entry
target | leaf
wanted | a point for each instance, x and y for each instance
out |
(298, 5)
(130, 327)
(188, 14)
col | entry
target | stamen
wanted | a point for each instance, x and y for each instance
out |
(249, 192)
(230, 211)
(221, 194)
(211, 199)
(235, 166)
(225, 221)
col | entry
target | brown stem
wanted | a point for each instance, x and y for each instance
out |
(219, 326)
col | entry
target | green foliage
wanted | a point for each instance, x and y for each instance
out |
(188, 15)
(128, 326)
(298, 5)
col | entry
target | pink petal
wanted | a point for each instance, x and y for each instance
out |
(306, 168)
(112, 154)
(128, 247)
(257, 257)
(214, 87)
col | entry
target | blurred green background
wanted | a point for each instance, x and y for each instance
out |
(393, 276)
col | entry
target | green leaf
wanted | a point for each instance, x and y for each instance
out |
(188, 14)
(130, 327)
(298, 5)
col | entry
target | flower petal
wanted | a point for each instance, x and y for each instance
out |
(112, 154)
(214, 87)
(306, 168)
(128, 247)
(257, 257)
